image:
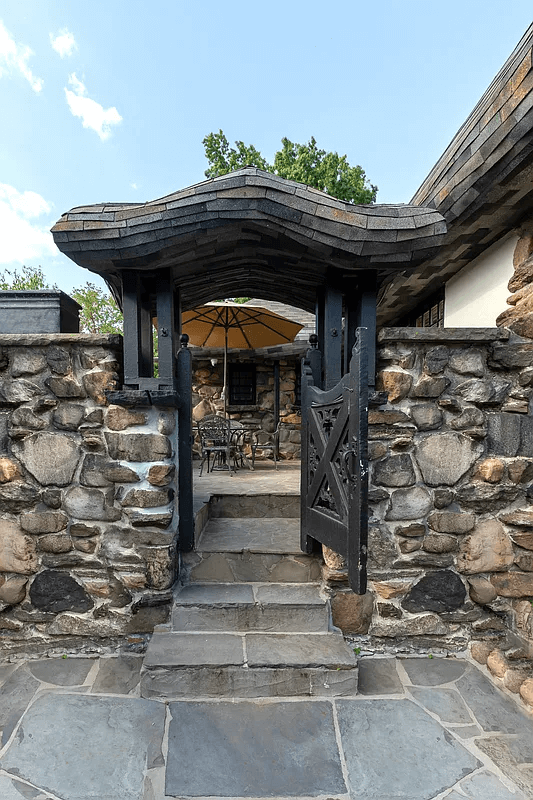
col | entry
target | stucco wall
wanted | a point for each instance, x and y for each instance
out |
(477, 295)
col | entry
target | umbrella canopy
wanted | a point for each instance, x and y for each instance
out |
(235, 325)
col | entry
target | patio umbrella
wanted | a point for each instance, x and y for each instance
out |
(236, 325)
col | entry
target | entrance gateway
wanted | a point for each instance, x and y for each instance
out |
(255, 234)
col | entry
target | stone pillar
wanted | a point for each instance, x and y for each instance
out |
(87, 521)
(519, 318)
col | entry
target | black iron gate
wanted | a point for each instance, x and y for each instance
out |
(335, 462)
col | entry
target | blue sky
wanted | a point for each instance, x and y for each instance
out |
(110, 100)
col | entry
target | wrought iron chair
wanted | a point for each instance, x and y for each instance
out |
(216, 443)
(262, 440)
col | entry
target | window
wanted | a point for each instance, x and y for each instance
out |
(241, 380)
(429, 314)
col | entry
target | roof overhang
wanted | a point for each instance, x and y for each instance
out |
(482, 184)
(249, 233)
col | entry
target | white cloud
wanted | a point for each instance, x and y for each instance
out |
(63, 42)
(134, 186)
(91, 113)
(14, 58)
(22, 237)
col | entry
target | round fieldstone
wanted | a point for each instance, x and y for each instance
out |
(426, 416)
(444, 458)
(480, 651)
(13, 589)
(64, 387)
(471, 417)
(396, 382)
(481, 590)
(451, 521)
(436, 359)
(394, 471)
(409, 504)
(97, 383)
(491, 470)
(468, 362)
(43, 521)
(118, 418)
(68, 416)
(443, 498)
(9, 470)
(439, 591)
(51, 458)
(526, 691)
(487, 549)
(56, 591)
(428, 386)
(497, 663)
(58, 359)
(440, 543)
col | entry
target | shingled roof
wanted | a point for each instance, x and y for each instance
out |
(482, 184)
(248, 233)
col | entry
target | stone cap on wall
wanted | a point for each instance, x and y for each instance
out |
(111, 340)
(443, 335)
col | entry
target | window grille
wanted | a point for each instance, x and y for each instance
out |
(429, 314)
(242, 383)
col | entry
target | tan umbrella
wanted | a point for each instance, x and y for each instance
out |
(236, 325)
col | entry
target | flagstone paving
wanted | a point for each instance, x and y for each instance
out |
(419, 729)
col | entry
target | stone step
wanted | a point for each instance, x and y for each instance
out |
(250, 549)
(179, 664)
(255, 505)
(280, 607)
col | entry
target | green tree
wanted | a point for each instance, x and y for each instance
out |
(27, 278)
(304, 163)
(99, 312)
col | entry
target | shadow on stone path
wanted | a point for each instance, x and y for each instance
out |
(419, 729)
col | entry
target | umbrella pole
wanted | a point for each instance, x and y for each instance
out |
(225, 389)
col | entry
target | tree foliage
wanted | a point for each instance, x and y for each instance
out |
(304, 163)
(27, 278)
(99, 312)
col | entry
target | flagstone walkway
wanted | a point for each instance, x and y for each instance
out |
(419, 729)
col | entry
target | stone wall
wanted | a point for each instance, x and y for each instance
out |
(519, 318)
(86, 498)
(451, 515)
(208, 383)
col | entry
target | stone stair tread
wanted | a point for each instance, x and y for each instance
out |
(263, 535)
(290, 650)
(194, 649)
(210, 594)
(228, 594)
(300, 650)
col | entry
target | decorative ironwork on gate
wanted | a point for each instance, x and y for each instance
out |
(335, 462)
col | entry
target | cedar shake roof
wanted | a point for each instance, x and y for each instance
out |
(248, 233)
(482, 184)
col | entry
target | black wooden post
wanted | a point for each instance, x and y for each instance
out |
(314, 359)
(138, 339)
(130, 308)
(166, 327)
(319, 333)
(332, 337)
(360, 312)
(185, 440)
(276, 404)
